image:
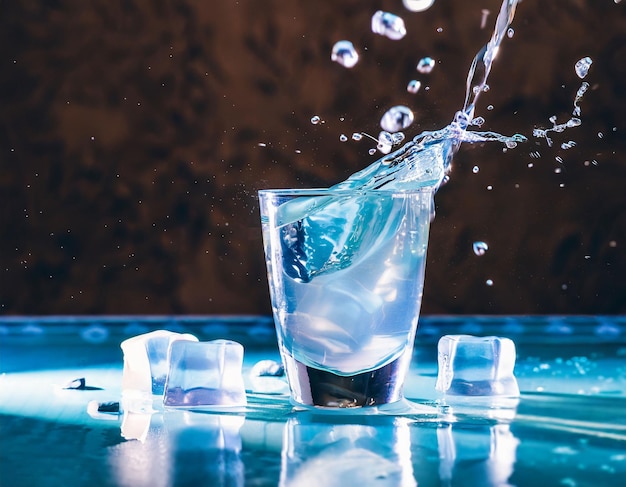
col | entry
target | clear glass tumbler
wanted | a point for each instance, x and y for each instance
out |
(346, 273)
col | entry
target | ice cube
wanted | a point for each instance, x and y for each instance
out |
(205, 374)
(476, 366)
(146, 360)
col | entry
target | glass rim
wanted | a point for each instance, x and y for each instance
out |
(343, 191)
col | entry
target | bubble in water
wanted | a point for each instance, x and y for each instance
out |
(426, 65)
(385, 142)
(582, 67)
(510, 33)
(343, 138)
(413, 86)
(480, 248)
(419, 5)
(388, 25)
(345, 54)
(315, 119)
(397, 118)
(475, 169)
(357, 136)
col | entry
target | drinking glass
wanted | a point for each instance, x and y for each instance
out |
(346, 273)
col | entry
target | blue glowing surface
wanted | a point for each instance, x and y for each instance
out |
(568, 429)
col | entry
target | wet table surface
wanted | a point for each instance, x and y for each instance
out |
(568, 428)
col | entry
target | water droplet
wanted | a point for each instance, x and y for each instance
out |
(357, 136)
(372, 152)
(315, 119)
(440, 29)
(600, 135)
(426, 65)
(510, 33)
(419, 5)
(343, 138)
(568, 145)
(480, 248)
(582, 67)
(388, 25)
(489, 188)
(397, 137)
(559, 159)
(511, 144)
(397, 118)
(345, 54)
(489, 282)
(478, 121)
(385, 142)
(489, 107)
(475, 169)
(413, 86)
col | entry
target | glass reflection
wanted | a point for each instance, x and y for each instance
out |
(178, 448)
(370, 450)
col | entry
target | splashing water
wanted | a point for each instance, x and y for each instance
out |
(425, 65)
(425, 160)
(582, 67)
(480, 248)
(397, 118)
(345, 54)
(388, 25)
(419, 5)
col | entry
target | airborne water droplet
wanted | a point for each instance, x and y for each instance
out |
(510, 33)
(388, 25)
(357, 136)
(475, 169)
(413, 86)
(345, 54)
(397, 118)
(489, 282)
(419, 5)
(385, 142)
(315, 119)
(582, 67)
(343, 138)
(480, 248)
(425, 65)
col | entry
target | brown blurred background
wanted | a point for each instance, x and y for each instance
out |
(134, 135)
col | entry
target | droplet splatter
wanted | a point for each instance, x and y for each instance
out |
(582, 67)
(345, 54)
(418, 5)
(413, 86)
(397, 118)
(425, 65)
(388, 25)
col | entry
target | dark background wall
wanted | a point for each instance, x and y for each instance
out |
(134, 135)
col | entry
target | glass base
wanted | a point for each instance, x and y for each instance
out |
(315, 387)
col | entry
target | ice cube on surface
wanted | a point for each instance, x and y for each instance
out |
(205, 374)
(476, 366)
(146, 360)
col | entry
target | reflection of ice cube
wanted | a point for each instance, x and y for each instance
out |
(205, 374)
(476, 454)
(146, 360)
(476, 366)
